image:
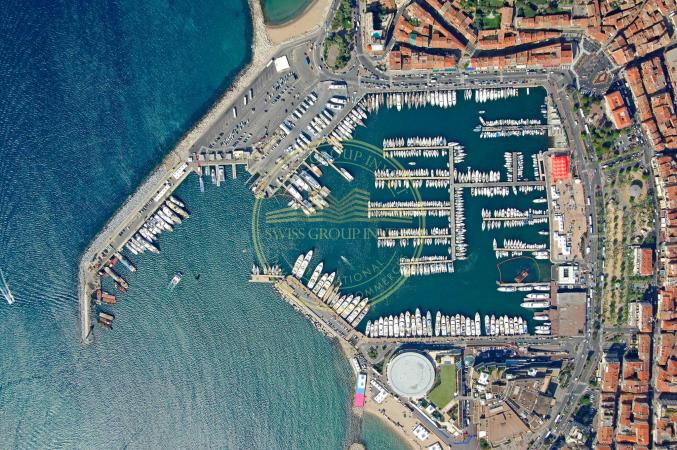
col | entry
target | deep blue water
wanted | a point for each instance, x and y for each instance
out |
(93, 95)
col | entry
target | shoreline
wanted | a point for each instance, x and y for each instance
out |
(293, 19)
(312, 18)
(401, 436)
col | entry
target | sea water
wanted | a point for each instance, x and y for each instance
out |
(94, 94)
(378, 436)
(278, 12)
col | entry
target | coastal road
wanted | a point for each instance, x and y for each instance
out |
(589, 351)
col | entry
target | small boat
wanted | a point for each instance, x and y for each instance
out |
(506, 289)
(521, 276)
(315, 276)
(176, 279)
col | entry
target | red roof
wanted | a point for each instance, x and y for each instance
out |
(560, 167)
(646, 262)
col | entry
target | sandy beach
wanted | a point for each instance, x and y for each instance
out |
(311, 19)
(397, 417)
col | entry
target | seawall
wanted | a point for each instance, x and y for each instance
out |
(91, 260)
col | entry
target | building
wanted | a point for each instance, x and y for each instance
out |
(566, 275)
(641, 314)
(616, 110)
(610, 371)
(411, 375)
(500, 424)
(643, 262)
(421, 432)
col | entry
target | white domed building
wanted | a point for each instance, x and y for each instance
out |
(411, 374)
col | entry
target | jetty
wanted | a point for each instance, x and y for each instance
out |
(166, 177)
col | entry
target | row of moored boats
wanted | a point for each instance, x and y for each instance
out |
(513, 159)
(503, 191)
(425, 265)
(422, 325)
(484, 95)
(168, 215)
(352, 308)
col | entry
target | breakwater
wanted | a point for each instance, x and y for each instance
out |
(99, 250)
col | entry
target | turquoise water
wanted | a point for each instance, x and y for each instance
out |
(377, 435)
(278, 12)
(345, 239)
(94, 94)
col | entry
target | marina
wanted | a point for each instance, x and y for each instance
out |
(425, 158)
(445, 166)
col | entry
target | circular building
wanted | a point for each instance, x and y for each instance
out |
(411, 374)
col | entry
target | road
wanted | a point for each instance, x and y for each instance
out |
(589, 350)
(272, 96)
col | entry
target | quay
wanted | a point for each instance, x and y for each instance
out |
(265, 278)
(125, 223)
(325, 319)
(462, 341)
(536, 283)
(294, 292)
(214, 159)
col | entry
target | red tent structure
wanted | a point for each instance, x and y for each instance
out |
(560, 167)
